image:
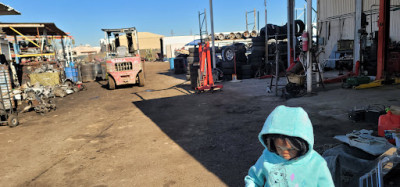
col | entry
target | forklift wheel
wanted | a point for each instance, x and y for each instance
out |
(111, 83)
(141, 79)
(12, 120)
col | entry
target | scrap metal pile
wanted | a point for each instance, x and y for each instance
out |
(39, 91)
(42, 98)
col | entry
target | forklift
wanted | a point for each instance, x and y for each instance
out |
(124, 65)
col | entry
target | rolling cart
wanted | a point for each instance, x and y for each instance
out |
(8, 115)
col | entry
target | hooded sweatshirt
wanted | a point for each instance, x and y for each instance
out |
(273, 170)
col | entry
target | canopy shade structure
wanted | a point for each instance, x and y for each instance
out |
(7, 10)
(126, 30)
(32, 29)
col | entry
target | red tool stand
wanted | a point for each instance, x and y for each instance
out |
(206, 81)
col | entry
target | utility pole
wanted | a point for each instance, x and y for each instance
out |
(266, 34)
(214, 63)
(310, 40)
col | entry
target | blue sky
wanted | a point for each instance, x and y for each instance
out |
(84, 18)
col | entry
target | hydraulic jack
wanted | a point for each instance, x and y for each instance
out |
(206, 81)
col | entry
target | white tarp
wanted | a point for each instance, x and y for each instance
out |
(365, 141)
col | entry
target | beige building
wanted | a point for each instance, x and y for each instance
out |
(85, 50)
(147, 40)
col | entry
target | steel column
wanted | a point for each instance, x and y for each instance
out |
(266, 34)
(310, 41)
(357, 44)
(290, 32)
(214, 63)
(383, 36)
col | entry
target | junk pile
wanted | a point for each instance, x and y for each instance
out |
(234, 61)
(365, 156)
(42, 98)
(91, 71)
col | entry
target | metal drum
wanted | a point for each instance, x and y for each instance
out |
(98, 70)
(87, 71)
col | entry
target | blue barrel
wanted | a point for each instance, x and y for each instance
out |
(71, 73)
(171, 63)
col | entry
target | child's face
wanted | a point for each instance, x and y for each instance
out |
(284, 149)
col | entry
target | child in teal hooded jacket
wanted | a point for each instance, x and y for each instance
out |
(289, 158)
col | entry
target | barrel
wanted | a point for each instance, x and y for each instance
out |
(194, 75)
(71, 73)
(179, 65)
(98, 70)
(87, 71)
(171, 63)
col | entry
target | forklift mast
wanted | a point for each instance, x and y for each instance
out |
(129, 32)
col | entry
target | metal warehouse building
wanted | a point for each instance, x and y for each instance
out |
(336, 21)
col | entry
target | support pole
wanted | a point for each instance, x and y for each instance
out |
(247, 24)
(310, 41)
(357, 44)
(255, 20)
(16, 49)
(383, 36)
(63, 48)
(266, 34)
(137, 42)
(212, 36)
(290, 32)
(294, 39)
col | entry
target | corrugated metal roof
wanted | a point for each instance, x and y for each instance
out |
(31, 29)
(7, 10)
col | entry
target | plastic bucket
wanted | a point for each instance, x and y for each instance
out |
(71, 73)
(171, 63)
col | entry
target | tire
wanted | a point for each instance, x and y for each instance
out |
(193, 50)
(247, 72)
(194, 55)
(179, 65)
(141, 79)
(258, 54)
(258, 48)
(193, 59)
(111, 83)
(258, 39)
(247, 76)
(228, 71)
(221, 36)
(228, 53)
(194, 69)
(238, 35)
(227, 65)
(258, 44)
(246, 67)
(12, 120)
(253, 34)
(218, 50)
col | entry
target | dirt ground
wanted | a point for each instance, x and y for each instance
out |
(163, 134)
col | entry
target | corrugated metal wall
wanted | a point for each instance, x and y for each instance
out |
(332, 8)
(336, 22)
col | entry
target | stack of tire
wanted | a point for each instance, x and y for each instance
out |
(193, 66)
(179, 65)
(227, 64)
(257, 56)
